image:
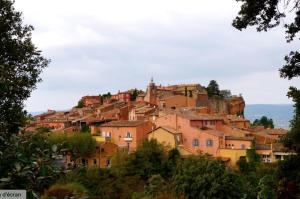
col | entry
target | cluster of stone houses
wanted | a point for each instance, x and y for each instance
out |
(178, 116)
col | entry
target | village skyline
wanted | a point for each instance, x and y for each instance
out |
(89, 46)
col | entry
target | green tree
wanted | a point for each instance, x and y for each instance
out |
(106, 95)
(81, 145)
(225, 93)
(85, 129)
(20, 66)
(156, 186)
(28, 163)
(264, 121)
(213, 88)
(185, 91)
(147, 160)
(80, 104)
(252, 160)
(69, 190)
(200, 177)
(267, 14)
(24, 163)
(190, 93)
(252, 157)
(267, 187)
(171, 163)
(134, 95)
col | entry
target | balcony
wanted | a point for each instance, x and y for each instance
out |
(128, 139)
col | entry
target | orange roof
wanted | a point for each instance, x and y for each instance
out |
(167, 128)
(275, 131)
(124, 123)
(239, 138)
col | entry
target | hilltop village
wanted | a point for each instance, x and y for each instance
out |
(179, 116)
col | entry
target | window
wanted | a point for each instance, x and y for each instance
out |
(108, 135)
(128, 135)
(95, 162)
(178, 139)
(83, 162)
(195, 142)
(108, 162)
(243, 146)
(209, 142)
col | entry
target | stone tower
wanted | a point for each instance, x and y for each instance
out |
(151, 93)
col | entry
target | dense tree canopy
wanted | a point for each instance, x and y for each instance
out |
(264, 15)
(28, 163)
(264, 121)
(20, 66)
(199, 177)
(213, 88)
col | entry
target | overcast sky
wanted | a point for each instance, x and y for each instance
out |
(98, 46)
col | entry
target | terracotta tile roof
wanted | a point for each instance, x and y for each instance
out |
(263, 146)
(124, 123)
(193, 116)
(213, 132)
(167, 128)
(278, 147)
(274, 131)
(239, 138)
(263, 134)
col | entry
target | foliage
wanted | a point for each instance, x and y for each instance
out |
(225, 93)
(85, 129)
(214, 91)
(252, 160)
(213, 88)
(20, 66)
(252, 157)
(292, 139)
(266, 14)
(78, 144)
(28, 163)
(156, 186)
(106, 95)
(80, 104)
(264, 121)
(289, 175)
(200, 177)
(135, 93)
(171, 163)
(267, 187)
(289, 169)
(190, 93)
(147, 160)
(61, 191)
(81, 145)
